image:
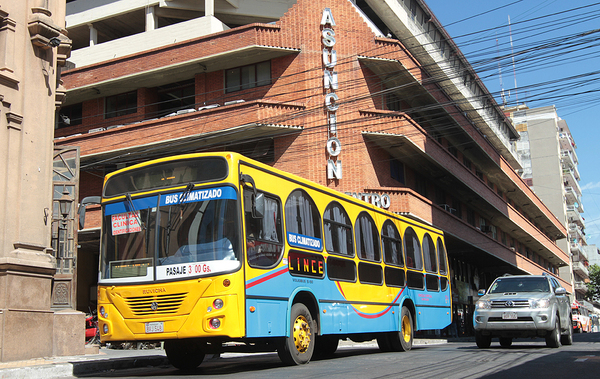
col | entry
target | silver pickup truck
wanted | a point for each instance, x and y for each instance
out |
(523, 306)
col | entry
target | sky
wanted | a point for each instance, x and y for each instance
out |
(556, 51)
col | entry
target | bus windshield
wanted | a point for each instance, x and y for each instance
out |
(170, 236)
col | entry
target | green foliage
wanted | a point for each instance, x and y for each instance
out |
(593, 287)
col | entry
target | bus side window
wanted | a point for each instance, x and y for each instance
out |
(429, 254)
(264, 242)
(441, 250)
(412, 248)
(337, 230)
(391, 242)
(302, 215)
(367, 238)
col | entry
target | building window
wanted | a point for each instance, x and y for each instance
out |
(70, 116)
(120, 105)
(397, 170)
(250, 76)
(421, 185)
(176, 96)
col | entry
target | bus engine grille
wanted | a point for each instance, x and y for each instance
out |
(155, 305)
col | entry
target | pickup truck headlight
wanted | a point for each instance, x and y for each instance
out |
(483, 304)
(540, 304)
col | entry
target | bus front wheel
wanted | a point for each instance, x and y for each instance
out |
(298, 347)
(185, 354)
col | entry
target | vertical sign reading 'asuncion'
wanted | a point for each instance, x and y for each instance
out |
(330, 84)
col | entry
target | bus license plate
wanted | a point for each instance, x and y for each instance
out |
(155, 327)
(509, 316)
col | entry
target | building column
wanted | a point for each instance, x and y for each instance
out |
(93, 35)
(151, 19)
(209, 7)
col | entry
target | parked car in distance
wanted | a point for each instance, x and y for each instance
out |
(523, 306)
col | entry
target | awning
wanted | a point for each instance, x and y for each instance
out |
(177, 72)
(188, 144)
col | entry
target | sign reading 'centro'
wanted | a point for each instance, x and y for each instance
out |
(330, 84)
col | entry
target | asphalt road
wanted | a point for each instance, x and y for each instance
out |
(526, 359)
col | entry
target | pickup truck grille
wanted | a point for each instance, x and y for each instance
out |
(510, 303)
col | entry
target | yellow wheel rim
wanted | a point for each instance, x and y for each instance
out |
(406, 328)
(302, 334)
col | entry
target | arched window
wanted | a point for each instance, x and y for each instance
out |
(367, 238)
(412, 249)
(337, 230)
(302, 218)
(442, 256)
(391, 242)
(429, 254)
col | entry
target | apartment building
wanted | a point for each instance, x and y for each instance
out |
(549, 155)
(368, 97)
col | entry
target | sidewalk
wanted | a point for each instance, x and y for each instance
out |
(105, 360)
(113, 359)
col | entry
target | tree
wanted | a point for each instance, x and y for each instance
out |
(593, 287)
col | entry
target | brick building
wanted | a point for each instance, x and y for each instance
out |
(370, 97)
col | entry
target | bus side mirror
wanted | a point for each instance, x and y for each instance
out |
(481, 292)
(86, 200)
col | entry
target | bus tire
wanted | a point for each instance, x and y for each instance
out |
(326, 346)
(298, 347)
(185, 354)
(403, 340)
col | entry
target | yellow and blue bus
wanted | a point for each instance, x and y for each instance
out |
(216, 252)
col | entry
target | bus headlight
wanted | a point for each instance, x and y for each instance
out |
(218, 304)
(215, 323)
(103, 312)
(105, 329)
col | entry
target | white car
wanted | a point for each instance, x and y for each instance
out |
(523, 306)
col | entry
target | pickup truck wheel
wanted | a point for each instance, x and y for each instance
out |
(505, 341)
(553, 337)
(567, 338)
(483, 342)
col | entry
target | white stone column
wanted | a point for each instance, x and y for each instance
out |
(151, 19)
(209, 7)
(93, 35)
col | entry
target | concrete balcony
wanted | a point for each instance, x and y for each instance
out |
(574, 216)
(567, 159)
(572, 196)
(147, 40)
(580, 269)
(580, 287)
(566, 142)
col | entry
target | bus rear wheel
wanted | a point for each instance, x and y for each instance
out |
(298, 347)
(401, 340)
(185, 354)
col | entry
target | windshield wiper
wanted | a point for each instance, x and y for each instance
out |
(135, 212)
